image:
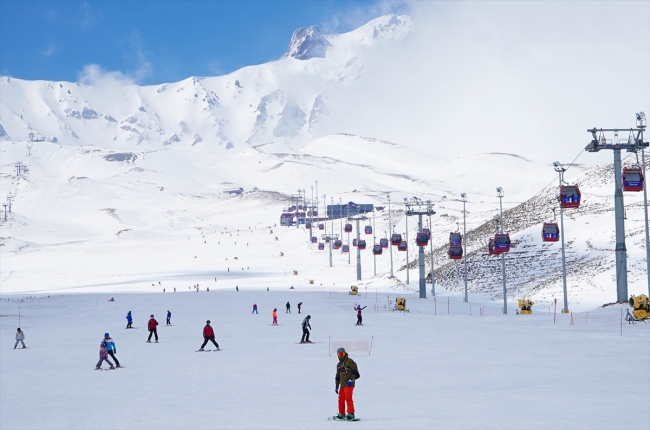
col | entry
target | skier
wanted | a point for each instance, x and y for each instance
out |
(152, 325)
(299, 305)
(129, 320)
(208, 336)
(305, 330)
(111, 349)
(346, 374)
(359, 317)
(288, 311)
(275, 316)
(20, 337)
(254, 308)
(103, 355)
(169, 318)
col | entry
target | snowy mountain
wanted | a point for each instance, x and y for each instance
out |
(284, 100)
(124, 182)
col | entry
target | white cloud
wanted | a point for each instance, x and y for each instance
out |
(96, 76)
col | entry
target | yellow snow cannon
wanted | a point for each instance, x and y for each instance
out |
(640, 307)
(400, 304)
(526, 306)
(354, 290)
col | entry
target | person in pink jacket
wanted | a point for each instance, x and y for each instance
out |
(103, 355)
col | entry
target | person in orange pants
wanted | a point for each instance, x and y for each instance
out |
(346, 375)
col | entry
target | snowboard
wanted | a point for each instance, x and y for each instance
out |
(342, 419)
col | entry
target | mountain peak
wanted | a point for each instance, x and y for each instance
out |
(306, 43)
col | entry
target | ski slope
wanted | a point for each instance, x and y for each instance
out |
(424, 371)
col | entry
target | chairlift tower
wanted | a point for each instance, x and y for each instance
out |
(414, 207)
(5, 206)
(390, 235)
(634, 143)
(433, 272)
(503, 255)
(9, 198)
(560, 171)
(464, 197)
(357, 219)
(330, 238)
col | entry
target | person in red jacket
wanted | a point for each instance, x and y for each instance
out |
(152, 325)
(208, 336)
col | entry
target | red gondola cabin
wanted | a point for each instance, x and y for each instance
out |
(377, 249)
(348, 228)
(321, 246)
(368, 229)
(396, 239)
(633, 179)
(550, 232)
(570, 196)
(361, 244)
(337, 244)
(383, 242)
(422, 239)
(502, 242)
(402, 246)
(455, 238)
(346, 248)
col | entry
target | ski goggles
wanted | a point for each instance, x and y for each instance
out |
(341, 354)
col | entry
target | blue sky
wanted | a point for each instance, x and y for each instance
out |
(161, 41)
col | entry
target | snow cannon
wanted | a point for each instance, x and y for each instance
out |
(526, 307)
(354, 290)
(640, 307)
(400, 304)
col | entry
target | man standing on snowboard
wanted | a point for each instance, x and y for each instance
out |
(346, 374)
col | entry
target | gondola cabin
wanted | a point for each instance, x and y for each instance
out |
(354, 242)
(422, 239)
(550, 232)
(502, 242)
(327, 239)
(491, 249)
(455, 238)
(368, 229)
(314, 239)
(633, 179)
(570, 196)
(455, 251)
(321, 226)
(402, 246)
(307, 224)
(348, 228)
(396, 239)
(361, 244)
(377, 250)
(321, 246)
(383, 242)
(337, 244)
(346, 248)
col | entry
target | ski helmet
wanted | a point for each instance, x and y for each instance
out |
(106, 335)
(207, 322)
(309, 316)
(340, 350)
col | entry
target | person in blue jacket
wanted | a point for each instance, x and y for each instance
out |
(129, 320)
(111, 349)
(169, 318)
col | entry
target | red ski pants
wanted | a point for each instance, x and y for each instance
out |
(345, 396)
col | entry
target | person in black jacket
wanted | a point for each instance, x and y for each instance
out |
(305, 330)
(288, 311)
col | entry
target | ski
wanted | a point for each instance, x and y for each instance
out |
(305, 343)
(342, 419)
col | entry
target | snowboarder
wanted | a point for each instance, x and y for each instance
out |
(305, 330)
(103, 355)
(208, 336)
(169, 318)
(299, 305)
(275, 316)
(346, 375)
(254, 308)
(152, 325)
(359, 317)
(288, 311)
(20, 337)
(129, 320)
(111, 349)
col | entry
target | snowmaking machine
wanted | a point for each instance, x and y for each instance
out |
(354, 290)
(400, 304)
(526, 307)
(640, 308)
